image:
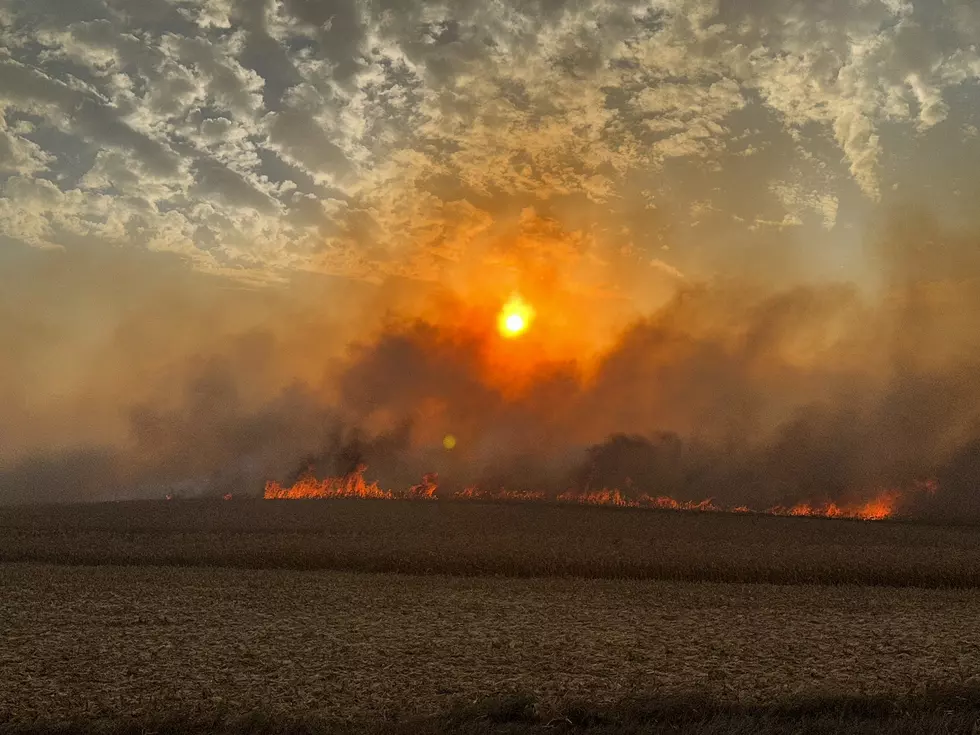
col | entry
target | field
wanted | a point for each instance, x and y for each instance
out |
(259, 616)
(522, 540)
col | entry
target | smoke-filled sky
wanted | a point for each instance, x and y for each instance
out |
(234, 234)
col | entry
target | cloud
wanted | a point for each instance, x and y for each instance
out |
(797, 200)
(20, 155)
(301, 133)
(225, 105)
(71, 107)
(143, 376)
(448, 153)
(667, 268)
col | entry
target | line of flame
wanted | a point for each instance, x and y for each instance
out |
(880, 507)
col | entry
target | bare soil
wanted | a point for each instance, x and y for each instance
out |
(478, 539)
(106, 642)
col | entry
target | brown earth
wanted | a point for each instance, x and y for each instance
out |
(477, 539)
(85, 642)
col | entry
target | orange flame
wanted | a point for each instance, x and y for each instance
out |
(425, 490)
(475, 493)
(349, 486)
(595, 497)
(881, 506)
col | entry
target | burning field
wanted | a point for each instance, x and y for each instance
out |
(507, 485)
(812, 401)
(879, 508)
(449, 366)
(354, 609)
(783, 404)
(479, 538)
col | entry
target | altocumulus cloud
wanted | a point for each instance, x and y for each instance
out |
(260, 136)
(195, 193)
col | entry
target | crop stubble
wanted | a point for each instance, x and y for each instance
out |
(100, 641)
(513, 540)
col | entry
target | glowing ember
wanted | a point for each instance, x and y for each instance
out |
(515, 317)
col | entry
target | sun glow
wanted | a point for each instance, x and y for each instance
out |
(514, 323)
(515, 317)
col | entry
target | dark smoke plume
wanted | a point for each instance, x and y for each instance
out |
(745, 393)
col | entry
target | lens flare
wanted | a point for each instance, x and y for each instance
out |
(515, 317)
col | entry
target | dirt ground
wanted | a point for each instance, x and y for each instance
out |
(484, 539)
(101, 641)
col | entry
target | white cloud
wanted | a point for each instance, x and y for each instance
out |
(261, 134)
(20, 155)
(667, 269)
(798, 201)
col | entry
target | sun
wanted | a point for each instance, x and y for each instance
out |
(514, 323)
(515, 317)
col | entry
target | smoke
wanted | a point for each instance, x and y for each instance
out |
(145, 378)
(743, 396)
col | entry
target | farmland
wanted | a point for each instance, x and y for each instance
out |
(129, 615)
(100, 641)
(475, 539)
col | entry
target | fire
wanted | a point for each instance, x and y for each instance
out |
(501, 495)
(664, 502)
(595, 497)
(515, 317)
(349, 486)
(425, 490)
(880, 507)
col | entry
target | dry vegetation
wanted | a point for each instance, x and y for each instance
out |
(941, 712)
(142, 620)
(86, 642)
(498, 539)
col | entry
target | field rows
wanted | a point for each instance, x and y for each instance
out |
(84, 641)
(476, 539)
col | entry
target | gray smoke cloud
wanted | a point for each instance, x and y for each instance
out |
(741, 392)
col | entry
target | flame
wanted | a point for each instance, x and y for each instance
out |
(880, 507)
(515, 317)
(349, 486)
(425, 490)
(664, 502)
(595, 497)
(475, 493)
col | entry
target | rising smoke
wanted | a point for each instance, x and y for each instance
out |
(169, 381)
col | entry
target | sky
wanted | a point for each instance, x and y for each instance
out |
(262, 198)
